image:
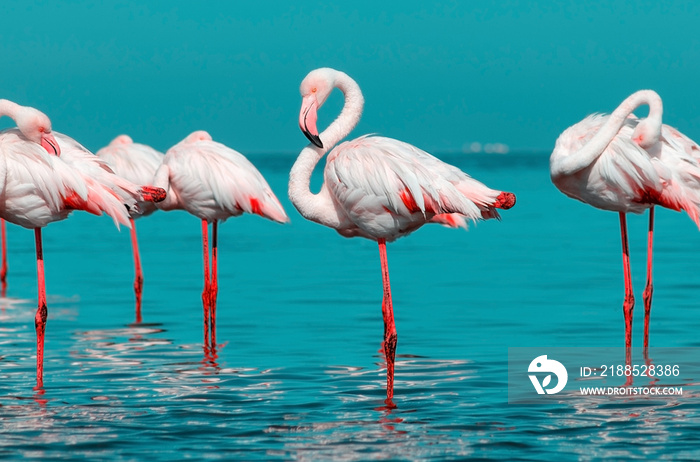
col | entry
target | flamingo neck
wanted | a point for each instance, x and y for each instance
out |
(9, 109)
(320, 207)
(590, 152)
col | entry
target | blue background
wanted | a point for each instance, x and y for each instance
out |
(440, 75)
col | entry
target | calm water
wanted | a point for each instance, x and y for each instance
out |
(298, 374)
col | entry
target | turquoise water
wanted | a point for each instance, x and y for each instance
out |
(297, 374)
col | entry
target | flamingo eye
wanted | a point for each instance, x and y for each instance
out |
(314, 89)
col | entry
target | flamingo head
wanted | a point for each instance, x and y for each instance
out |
(122, 139)
(314, 89)
(199, 135)
(36, 126)
(647, 133)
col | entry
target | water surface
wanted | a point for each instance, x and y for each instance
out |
(297, 373)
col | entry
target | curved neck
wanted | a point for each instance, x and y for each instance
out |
(9, 109)
(590, 152)
(319, 207)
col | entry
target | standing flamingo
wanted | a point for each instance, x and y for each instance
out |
(213, 182)
(137, 163)
(621, 163)
(44, 176)
(378, 188)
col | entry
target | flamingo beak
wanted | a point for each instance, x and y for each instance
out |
(49, 143)
(307, 119)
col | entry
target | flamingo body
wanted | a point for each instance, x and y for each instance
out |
(213, 182)
(40, 188)
(383, 188)
(628, 178)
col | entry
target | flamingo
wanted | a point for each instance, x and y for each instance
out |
(213, 182)
(378, 188)
(622, 163)
(45, 175)
(137, 163)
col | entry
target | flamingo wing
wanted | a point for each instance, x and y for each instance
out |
(379, 180)
(136, 163)
(678, 165)
(107, 192)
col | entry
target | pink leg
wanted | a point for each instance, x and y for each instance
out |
(41, 312)
(213, 287)
(649, 289)
(628, 305)
(138, 280)
(390, 336)
(3, 268)
(205, 292)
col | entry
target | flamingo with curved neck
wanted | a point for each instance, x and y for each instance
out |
(378, 188)
(622, 163)
(52, 186)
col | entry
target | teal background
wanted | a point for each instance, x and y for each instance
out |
(298, 375)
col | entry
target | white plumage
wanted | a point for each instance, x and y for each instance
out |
(135, 162)
(213, 182)
(40, 188)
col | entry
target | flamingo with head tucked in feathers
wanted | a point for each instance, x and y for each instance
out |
(137, 163)
(44, 176)
(623, 163)
(213, 182)
(379, 188)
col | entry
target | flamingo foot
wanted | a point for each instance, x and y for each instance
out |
(212, 313)
(628, 309)
(205, 304)
(504, 201)
(40, 326)
(390, 353)
(648, 292)
(152, 194)
(138, 291)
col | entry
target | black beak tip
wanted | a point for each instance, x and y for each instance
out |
(314, 139)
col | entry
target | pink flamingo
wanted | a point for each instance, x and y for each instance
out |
(137, 163)
(621, 163)
(213, 182)
(44, 176)
(378, 188)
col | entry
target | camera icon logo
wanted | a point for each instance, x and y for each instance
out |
(550, 366)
